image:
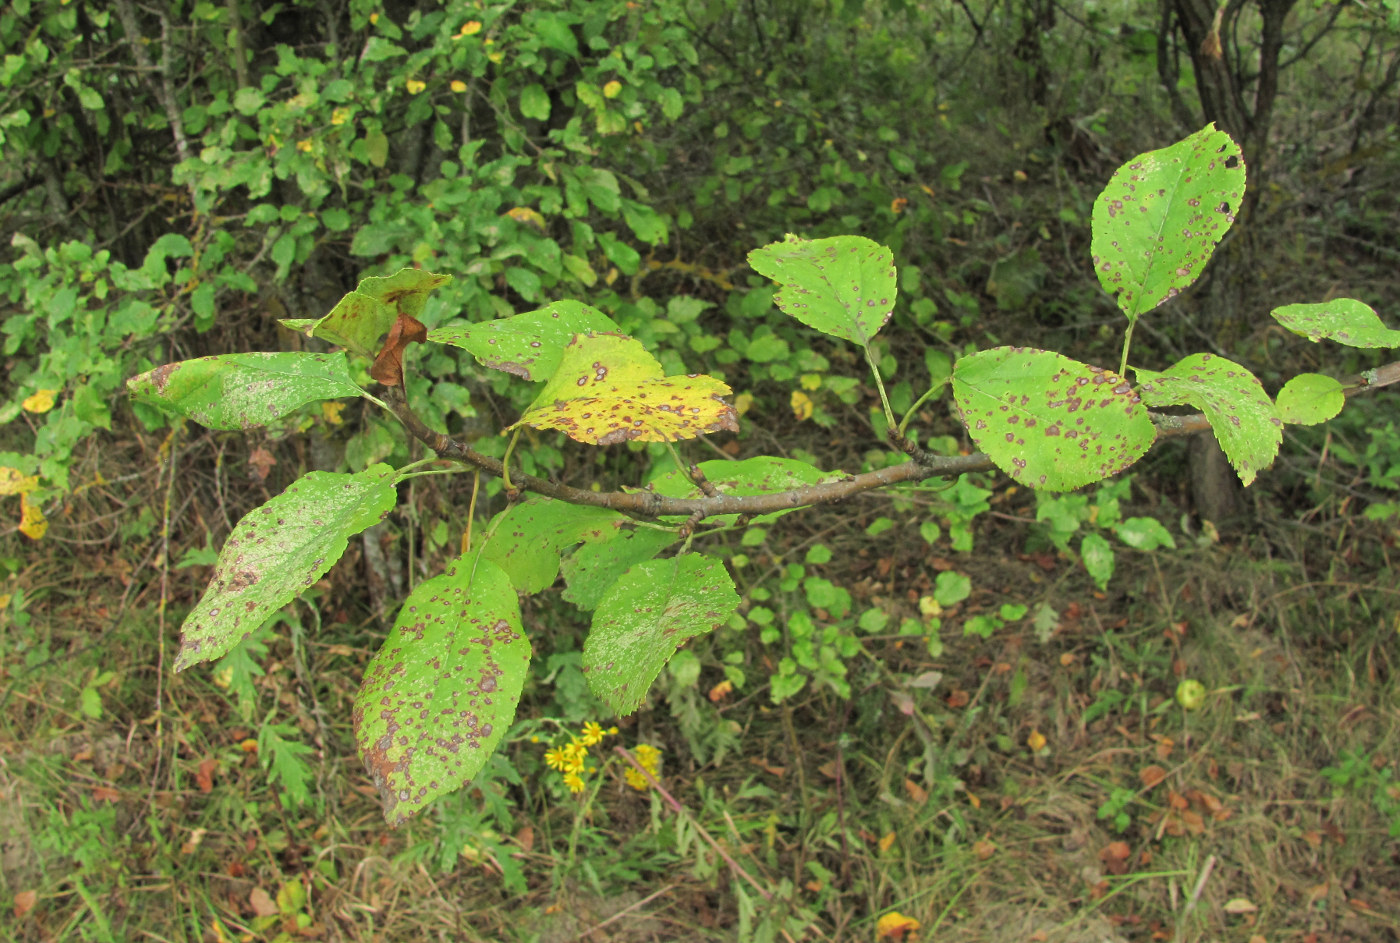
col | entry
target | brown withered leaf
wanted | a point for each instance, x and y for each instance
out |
(388, 366)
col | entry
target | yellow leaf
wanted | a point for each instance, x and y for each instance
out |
(340, 116)
(458, 85)
(304, 145)
(415, 86)
(612, 89)
(608, 389)
(13, 481)
(894, 925)
(40, 402)
(496, 57)
(31, 519)
(524, 214)
(374, 18)
(1036, 741)
(743, 403)
(469, 28)
(801, 405)
(331, 411)
(886, 841)
(810, 381)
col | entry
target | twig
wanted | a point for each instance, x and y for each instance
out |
(700, 829)
(625, 911)
(1194, 898)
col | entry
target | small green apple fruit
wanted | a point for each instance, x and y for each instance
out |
(1190, 694)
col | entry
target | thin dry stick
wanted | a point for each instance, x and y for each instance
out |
(680, 810)
(1195, 896)
(625, 911)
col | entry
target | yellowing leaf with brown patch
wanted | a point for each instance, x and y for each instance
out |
(608, 389)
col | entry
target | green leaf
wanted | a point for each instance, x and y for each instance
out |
(282, 758)
(554, 32)
(1157, 222)
(1239, 411)
(377, 148)
(596, 565)
(362, 316)
(1310, 398)
(528, 345)
(442, 690)
(527, 539)
(608, 389)
(1345, 321)
(534, 102)
(650, 612)
(244, 391)
(843, 286)
(277, 551)
(950, 588)
(647, 223)
(1144, 533)
(1097, 554)
(1048, 421)
(248, 101)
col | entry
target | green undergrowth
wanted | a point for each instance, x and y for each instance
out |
(1039, 781)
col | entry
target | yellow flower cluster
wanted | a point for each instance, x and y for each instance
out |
(648, 758)
(571, 759)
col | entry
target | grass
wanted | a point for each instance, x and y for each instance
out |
(1011, 788)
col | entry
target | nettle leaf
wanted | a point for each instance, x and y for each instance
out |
(595, 566)
(244, 391)
(843, 286)
(648, 614)
(1157, 222)
(608, 389)
(1239, 411)
(527, 539)
(442, 690)
(277, 551)
(363, 316)
(1048, 421)
(762, 474)
(528, 345)
(1346, 321)
(1310, 398)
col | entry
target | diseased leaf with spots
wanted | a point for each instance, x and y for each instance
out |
(1310, 398)
(1159, 219)
(652, 610)
(1048, 421)
(528, 345)
(1345, 320)
(527, 539)
(442, 690)
(244, 391)
(1244, 419)
(763, 474)
(277, 551)
(843, 286)
(593, 568)
(608, 389)
(363, 316)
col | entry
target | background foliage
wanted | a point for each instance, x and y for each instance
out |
(979, 670)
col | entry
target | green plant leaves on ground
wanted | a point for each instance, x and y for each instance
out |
(442, 690)
(1346, 321)
(1157, 222)
(843, 286)
(244, 391)
(528, 345)
(277, 551)
(527, 539)
(362, 316)
(648, 614)
(1239, 411)
(1048, 421)
(1310, 398)
(608, 389)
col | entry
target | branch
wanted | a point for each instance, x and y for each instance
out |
(922, 465)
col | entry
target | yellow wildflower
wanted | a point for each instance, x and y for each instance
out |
(649, 757)
(575, 753)
(574, 781)
(555, 759)
(592, 733)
